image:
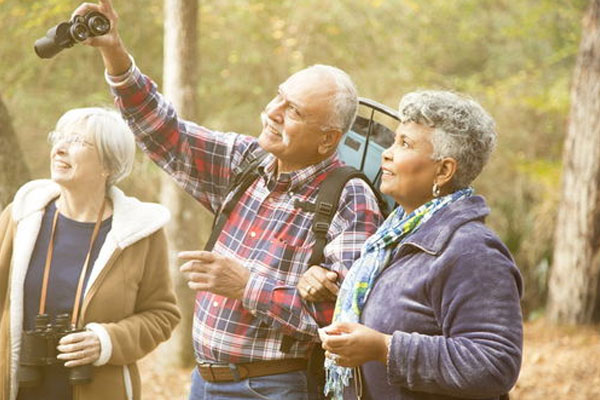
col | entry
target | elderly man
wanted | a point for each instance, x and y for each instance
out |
(253, 332)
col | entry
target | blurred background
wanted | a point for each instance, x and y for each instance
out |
(517, 58)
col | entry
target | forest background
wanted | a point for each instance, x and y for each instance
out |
(515, 57)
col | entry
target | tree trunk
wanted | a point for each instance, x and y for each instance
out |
(573, 287)
(13, 170)
(185, 231)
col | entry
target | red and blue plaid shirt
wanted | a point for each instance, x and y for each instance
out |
(265, 231)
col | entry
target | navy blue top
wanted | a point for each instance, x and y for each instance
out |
(71, 244)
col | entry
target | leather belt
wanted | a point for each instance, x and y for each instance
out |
(237, 372)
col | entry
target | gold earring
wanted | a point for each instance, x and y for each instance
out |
(435, 190)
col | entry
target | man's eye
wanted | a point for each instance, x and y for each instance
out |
(294, 111)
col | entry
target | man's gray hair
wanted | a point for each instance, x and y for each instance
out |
(109, 133)
(463, 130)
(344, 104)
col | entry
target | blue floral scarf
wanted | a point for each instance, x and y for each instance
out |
(375, 255)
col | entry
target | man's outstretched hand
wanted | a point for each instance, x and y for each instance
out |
(211, 272)
(115, 56)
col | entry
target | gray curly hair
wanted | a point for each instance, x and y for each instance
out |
(463, 130)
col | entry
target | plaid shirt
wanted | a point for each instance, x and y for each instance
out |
(265, 231)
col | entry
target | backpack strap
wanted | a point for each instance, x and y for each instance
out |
(327, 203)
(325, 207)
(244, 175)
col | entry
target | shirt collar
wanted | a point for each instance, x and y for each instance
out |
(291, 181)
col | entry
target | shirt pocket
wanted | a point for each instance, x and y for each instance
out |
(284, 262)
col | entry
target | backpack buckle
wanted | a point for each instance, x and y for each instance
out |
(324, 208)
(320, 227)
(304, 205)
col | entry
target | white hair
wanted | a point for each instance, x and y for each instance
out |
(463, 130)
(344, 105)
(109, 133)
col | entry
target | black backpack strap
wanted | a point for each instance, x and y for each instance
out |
(244, 175)
(326, 206)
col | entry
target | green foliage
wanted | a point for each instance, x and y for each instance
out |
(515, 57)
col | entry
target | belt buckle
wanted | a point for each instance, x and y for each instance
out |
(232, 368)
(234, 371)
(210, 367)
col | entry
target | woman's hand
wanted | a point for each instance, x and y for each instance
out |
(351, 344)
(318, 284)
(79, 348)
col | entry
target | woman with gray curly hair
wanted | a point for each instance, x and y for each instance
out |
(431, 308)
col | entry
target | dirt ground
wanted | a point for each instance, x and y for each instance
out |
(558, 363)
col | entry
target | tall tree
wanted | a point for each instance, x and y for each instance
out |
(14, 171)
(184, 230)
(574, 280)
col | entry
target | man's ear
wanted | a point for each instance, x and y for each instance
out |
(329, 141)
(445, 172)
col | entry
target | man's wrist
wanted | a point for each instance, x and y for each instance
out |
(117, 60)
(242, 290)
(121, 79)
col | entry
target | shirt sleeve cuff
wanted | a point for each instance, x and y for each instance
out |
(257, 294)
(123, 79)
(105, 342)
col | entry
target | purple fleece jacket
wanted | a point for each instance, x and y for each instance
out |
(451, 299)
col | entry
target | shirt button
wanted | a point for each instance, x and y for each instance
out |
(252, 234)
(216, 304)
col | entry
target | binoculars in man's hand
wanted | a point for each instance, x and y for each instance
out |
(66, 34)
(38, 349)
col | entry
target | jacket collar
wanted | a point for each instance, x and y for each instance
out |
(433, 236)
(132, 219)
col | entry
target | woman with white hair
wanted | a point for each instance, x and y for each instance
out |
(85, 289)
(431, 308)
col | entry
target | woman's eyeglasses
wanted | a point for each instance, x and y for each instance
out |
(69, 139)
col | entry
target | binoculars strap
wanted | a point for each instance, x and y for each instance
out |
(47, 266)
(83, 273)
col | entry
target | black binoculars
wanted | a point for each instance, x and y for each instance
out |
(66, 34)
(38, 349)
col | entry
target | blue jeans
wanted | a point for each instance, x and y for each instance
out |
(288, 386)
